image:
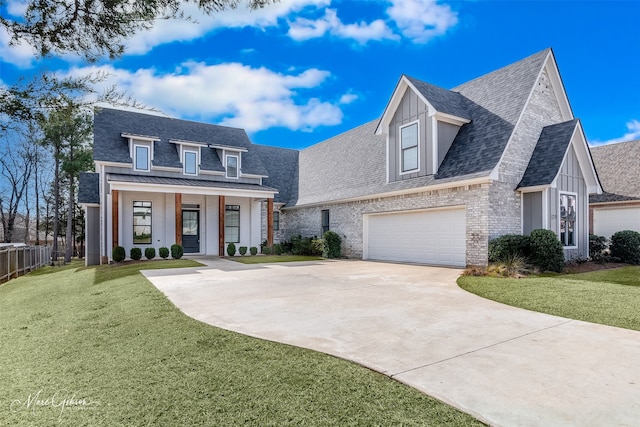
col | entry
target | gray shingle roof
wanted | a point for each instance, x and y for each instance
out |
(89, 188)
(282, 171)
(109, 145)
(494, 102)
(443, 100)
(189, 182)
(617, 166)
(548, 155)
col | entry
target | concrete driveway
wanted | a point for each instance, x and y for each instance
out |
(503, 365)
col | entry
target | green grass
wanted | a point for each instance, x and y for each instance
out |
(107, 339)
(610, 297)
(265, 259)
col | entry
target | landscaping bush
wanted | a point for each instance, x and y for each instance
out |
(298, 245)
(163, 252)
(625, 245)
(135, 254)
(508, 246)
(332, 245)
(253, 250)
(266, 250)
(242, 250)
(597, 247)
(546, 251)
(277, 249)
(118, 254)
(177, 251)
(150, 253)
(317, 246)
(231, 249)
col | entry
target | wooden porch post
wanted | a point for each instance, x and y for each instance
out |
(221, 210)
(114, 218)
(270, 222)
(179, 218)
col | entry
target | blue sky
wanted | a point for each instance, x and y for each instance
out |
(301, 71)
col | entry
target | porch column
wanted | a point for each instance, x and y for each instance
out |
(269, 222)
(179, 218)
(114, 218)
(221, 209)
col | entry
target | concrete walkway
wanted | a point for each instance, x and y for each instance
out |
(503, 365)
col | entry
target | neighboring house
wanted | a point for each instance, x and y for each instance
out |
(618, 207)
(438, 176)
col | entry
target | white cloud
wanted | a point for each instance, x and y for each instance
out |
(348, 98)
(21, 55)
(232, 94)
(422, 20)
(362, 32)
(166, 31)
(633, 133)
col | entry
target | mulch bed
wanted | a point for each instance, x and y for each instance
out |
(586, 267)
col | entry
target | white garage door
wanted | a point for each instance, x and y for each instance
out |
(425, 237)
(608, 221)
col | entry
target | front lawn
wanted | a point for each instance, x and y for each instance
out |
(610, 297)
(101, 346)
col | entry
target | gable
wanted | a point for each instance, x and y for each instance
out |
(617, 166)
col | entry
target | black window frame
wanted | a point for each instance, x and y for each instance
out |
(276, 220)
(143, 208)
(325, 221)
(228, 209)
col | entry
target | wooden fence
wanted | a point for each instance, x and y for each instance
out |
(19, 260)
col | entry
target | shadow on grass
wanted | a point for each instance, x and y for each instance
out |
(131, 268)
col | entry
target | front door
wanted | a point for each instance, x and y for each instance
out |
(191, 231)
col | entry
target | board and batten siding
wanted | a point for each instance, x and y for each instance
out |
(446, 134)
(571, 180)
(531, 212)
(411, 109)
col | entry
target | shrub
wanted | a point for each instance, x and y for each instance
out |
(277, 249)
(253, 250)
(514, 266)
(150, 253)
(135, 254)
(332, 245)
(242, 250)
(163, 252)
(118, 254)
(474, 270)
(505, 247)
(317, 246)
(231, 249)
(625, 245)
(597, 247)
(266, 250)
(177, 251)
(546, 251)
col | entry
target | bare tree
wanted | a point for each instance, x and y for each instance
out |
(15, 169)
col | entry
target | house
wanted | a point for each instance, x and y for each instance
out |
(618, 207)
(432, 181)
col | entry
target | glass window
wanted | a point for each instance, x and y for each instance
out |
(232, 166)
(276, 220)
(409, 147)
(142, 158)
(190, 162)
(190, 223)
(568, 207)
(232, 223)
(141, 223)
(325, 221)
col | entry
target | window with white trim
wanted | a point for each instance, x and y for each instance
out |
(409, 148)
(232, 166)
(568, 219)
(190, 162)
(141, 223)
(141, 157)
(232, 223)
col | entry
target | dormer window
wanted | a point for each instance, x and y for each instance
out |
(409, 148)
(141, 157)
(232, 166)
(190, 162)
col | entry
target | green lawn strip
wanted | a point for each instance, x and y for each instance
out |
(597, 297)
(265, 259)
(107, 335)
